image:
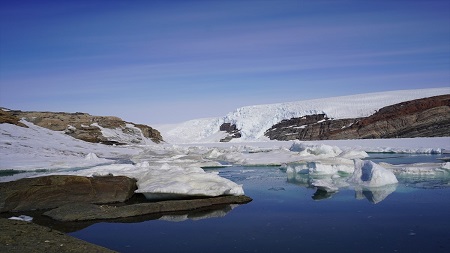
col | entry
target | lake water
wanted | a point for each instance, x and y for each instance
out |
(288, 216)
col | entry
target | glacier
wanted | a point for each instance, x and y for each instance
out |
(253, 121)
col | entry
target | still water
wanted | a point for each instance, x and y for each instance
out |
(288, 216)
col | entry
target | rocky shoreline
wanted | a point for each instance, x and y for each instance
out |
(21, 236)
(63, 203)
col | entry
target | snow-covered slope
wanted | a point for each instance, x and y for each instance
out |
(253, 121)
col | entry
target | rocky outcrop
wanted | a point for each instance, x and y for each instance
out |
(54, 191)
(85, 211)
(232, 131)
(310, 127)
(7, 117)
(87, 127)
(427, 117)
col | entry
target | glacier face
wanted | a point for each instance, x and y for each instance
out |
(253, 121)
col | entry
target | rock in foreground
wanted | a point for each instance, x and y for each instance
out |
(54, 191)
(21, 236)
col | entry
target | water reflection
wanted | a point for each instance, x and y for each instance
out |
(217, 211)
(321, 195)
(200, 214)
(375, 195)
(328, 185)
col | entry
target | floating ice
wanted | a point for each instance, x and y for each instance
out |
(306, 149)
(169, 182)
(370, 174)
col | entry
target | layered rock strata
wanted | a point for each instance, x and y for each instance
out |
(427, 117)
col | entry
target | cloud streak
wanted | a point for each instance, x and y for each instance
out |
(171, 55)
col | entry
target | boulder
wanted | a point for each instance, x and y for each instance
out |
(54, 191)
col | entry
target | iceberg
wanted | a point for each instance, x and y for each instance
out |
(171, 182)
(370, 174)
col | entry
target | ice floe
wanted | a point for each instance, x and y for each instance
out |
(370, 174)
(169, 182)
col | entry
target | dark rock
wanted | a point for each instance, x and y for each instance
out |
(21, 236)
(85, 211)
(427, 117)
(53, 191)
(232, 131)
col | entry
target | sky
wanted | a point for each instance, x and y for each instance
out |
(156, 62)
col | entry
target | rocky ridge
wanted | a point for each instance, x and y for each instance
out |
(427, 117)
(97, 129)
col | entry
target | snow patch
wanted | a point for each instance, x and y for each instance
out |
(22, 218)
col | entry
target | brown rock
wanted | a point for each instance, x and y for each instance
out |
(80, 126)
(53, 191)
(427, 117)
(9, 118)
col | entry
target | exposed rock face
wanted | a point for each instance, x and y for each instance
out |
(232, 131)
(310, 127)
(87, 127)
(427, 117)
(84, 211)
(53, 191)
(8, 117)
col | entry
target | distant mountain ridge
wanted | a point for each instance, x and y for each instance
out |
(251, 123)
(96, 129)
(426, 117)
(393, 114)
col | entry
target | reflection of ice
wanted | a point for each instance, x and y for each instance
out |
(422, 175)
(199, 215)
(375, 194)
(320, 195)
(370, 180)
(326, 185)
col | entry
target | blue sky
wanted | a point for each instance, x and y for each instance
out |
(170, 61)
